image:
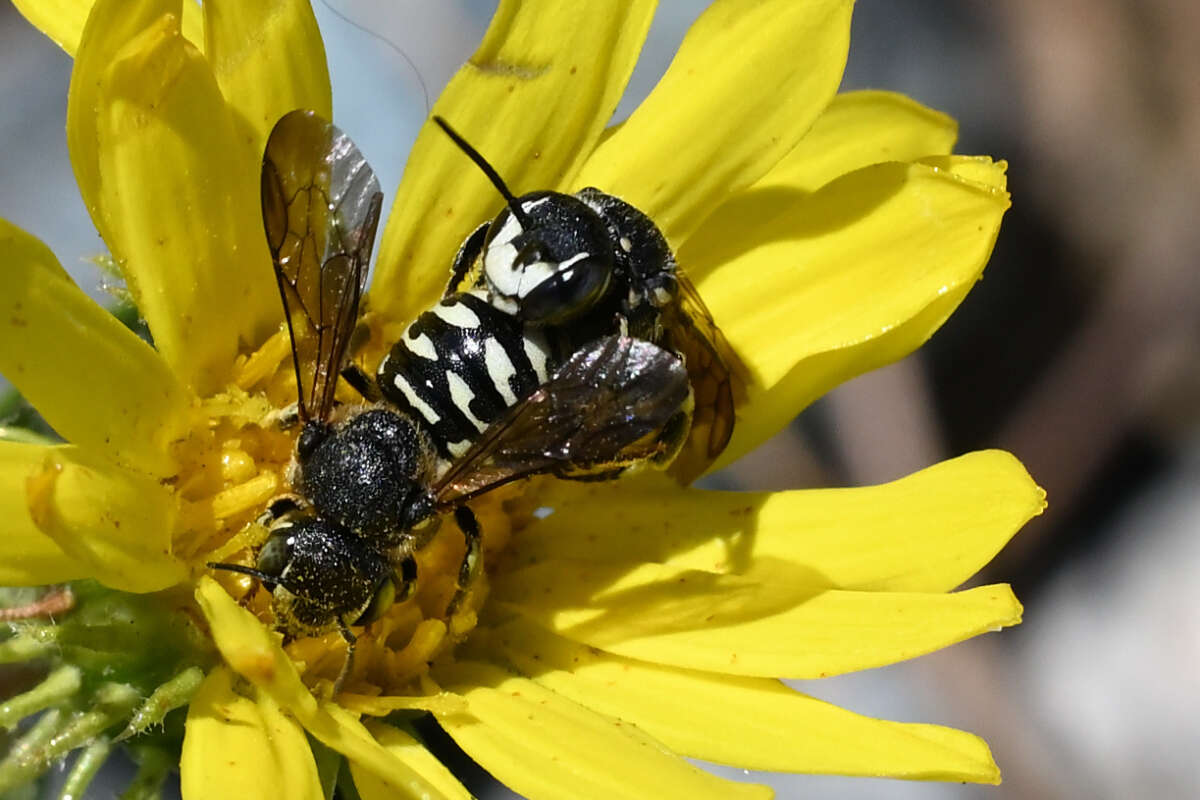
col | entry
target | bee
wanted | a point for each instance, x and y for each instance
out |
(579, 266)
(372, 480)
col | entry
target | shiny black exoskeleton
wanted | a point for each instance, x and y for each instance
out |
(573, 265)
(580, 266)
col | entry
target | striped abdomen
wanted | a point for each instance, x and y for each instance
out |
(459, 367)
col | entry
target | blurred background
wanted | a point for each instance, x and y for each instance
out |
(1077, 351)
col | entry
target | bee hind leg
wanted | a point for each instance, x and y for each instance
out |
(472, 561)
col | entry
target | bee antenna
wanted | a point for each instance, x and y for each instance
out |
(487, 168)
(262, 576)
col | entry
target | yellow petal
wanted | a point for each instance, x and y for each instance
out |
(533, 100)
(178, 208)
(112, 24)
(846, 279)
(856, 130)
(239, 746)
(411, 752)
(747, 83)
(268, 59)
(94, 381)
(63, 20)
(28, 557)
(776, 620)
(753, 723)
(254, 652)
(927, 532)
(542, 745)
(116, 522)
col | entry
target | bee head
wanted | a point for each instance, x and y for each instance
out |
(552, 263)
(320, 576)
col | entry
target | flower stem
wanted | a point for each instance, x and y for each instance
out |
(20, 765)
(168, 696)
(33, 755)
(86, 765)
(59, 685)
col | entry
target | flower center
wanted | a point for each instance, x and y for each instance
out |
(237, 461)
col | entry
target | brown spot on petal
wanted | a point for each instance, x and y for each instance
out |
(259, 667)
(39, 493)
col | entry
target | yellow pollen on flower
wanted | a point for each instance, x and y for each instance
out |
(238, 458)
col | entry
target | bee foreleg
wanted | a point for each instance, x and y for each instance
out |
(472, 561)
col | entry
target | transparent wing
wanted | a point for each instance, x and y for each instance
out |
(598, 407)
(717, 375)
(320, 205)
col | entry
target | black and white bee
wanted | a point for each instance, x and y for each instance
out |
(471, 398)
(576, 267)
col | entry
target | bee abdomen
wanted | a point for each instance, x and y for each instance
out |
(459, 367)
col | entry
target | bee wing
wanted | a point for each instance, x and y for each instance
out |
(717, 376)
(320, 206)
(603, 400)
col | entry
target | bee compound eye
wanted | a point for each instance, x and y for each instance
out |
(383, 599)
(573, 288)
(276, 554)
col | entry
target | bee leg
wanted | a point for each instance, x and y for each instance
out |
(348, 664)
(472, 560)
(361, 382)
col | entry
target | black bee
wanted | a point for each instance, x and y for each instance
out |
(578, 267)
(372, 480)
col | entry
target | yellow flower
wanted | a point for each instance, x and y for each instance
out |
(637, 623)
